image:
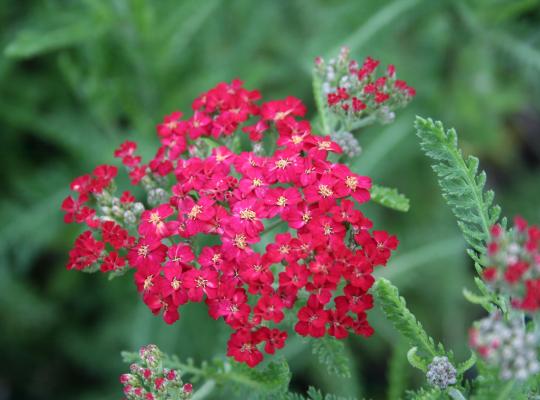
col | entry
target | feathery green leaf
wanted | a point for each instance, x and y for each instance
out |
(462, 185)
(395, 309)
(333, 354)
(389, 197)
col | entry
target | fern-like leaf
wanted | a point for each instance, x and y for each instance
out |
(389, 197)
(333, 354)
(426, 394)
(395, 309)
(462, 185)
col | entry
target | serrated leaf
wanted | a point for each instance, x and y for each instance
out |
(389, 197)
(395, 309)
(461, 184)
(467, 364)
(332, 353)
(416, 361)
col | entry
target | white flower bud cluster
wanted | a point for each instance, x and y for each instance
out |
(112, 209)
(153, 185)
(508, 345)
(385, 115)
(335, 72)
(441, 373)
(199, 149)
(347, 142)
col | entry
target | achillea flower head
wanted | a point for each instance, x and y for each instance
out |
(148, 380)
(507, 345)
(514, 264)
(441, 373)
(354, 91)
(234, 195)
(348, 143)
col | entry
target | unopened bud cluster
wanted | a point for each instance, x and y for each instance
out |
(150, 381)
(354, 91)
(514, 264)
(347, 142)
(506, 344)
(123, 210)
(441, 373)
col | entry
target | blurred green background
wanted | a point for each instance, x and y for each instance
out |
(79, 77)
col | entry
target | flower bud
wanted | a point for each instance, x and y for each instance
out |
(441, 373)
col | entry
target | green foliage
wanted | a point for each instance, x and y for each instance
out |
(57, 31)
(461, 183)
(389, 197)
(71, 98)
(395, 309)
(397, 371)
(312, 394)
(273, 378)
(332, 353)
(426, 394)
(488, 386)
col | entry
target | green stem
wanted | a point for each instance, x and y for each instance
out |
(320, 103)
(363, 122)
(455, 394)
(204, 390)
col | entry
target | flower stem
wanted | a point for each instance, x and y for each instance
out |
(204, 390)
(363, 122)
(320, 103)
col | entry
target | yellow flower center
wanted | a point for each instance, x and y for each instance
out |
(143, 250)
(351, 182)
(325, 191)
(148, 282)
(175, 284)
(297, 139)
(282, 163)
(325, 145)
(201, 282)
(284, 249)
(328, 229)
(240, 241)
(195, 210)
(154, 218)
(281, 201)
(248, 214)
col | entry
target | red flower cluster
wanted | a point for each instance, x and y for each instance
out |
(205, 241)
(356, 91)
(514, 259)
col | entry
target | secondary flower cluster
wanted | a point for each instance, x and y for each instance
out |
(514, 264)
(148, 380)
(202, 239)
(441, 373)
(507, 345)
(354, 91)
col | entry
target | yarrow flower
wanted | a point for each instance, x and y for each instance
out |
(208, 204)
(441, 373)
(507, 345)
(514, 264)
(354, 91)
(149, 380)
